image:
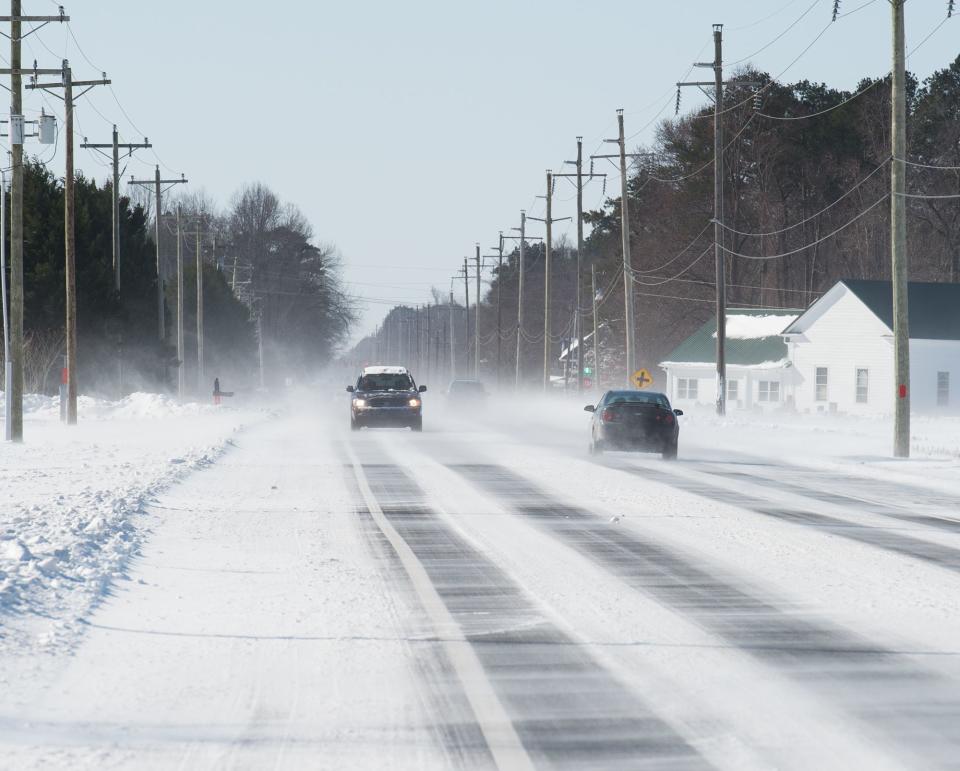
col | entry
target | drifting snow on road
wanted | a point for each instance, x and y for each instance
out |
(481, 596)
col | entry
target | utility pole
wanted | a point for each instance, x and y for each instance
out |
(718, 220)
(548, 221)
(466, 318)
(523, 236)
(628, 298)
(115, 146)
(453, 350)
(200, 377)
(596, 331)
(67, 83)
(719, 252)
(898, 238)
(579, 177)
(521, 267)
(546, 284)
(499, 307)
(180, 351)
(14, 416)
(158, 191)
(476, 322)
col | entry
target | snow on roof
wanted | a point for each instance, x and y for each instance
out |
(385, 370)
(772, 364)
(741, 327)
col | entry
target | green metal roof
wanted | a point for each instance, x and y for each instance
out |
(701, 347)
(934, 308)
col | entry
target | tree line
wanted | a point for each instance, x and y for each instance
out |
(805, 203)
(262, 274)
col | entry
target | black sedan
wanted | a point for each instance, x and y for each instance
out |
(634, 420)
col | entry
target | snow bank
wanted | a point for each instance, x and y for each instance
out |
(71, 499)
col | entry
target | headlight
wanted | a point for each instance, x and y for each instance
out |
(414, 402)
(359, 402)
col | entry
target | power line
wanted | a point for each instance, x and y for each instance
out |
(812, 243)
(812, 216)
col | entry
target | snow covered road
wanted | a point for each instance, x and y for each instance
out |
(487, 595)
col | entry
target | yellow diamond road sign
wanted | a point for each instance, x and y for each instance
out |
(641, 378)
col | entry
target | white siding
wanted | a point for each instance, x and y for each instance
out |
(748, 379)
(927, 358)
(847, 337)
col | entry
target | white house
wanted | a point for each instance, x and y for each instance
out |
(841, 349)
(758, 366)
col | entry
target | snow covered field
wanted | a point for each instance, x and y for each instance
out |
(295, 595)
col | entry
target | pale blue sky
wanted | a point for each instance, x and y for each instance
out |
(408, 131)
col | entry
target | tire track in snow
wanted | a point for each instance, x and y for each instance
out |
(453, 720)
(878, 508)
(916, 709)
(946, 557)
(566, 709)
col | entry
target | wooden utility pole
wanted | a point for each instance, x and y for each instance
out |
(898, 239)
(158, 190)
(466, 317)
(67, 83)
(596, 330)
(548, 249)
(579, 319)
(115, 146)
(200, 374)
(628, 298)
(15, 415)
(453, 350)
(546, 284)
(521, 266)
(718, 246)
(499, 307)
(476, 321)
(180, 347)
(721, 272)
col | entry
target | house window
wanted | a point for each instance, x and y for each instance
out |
(863, 382)
(733, 390)
(686, 388)
(821, 394)
(943, 389)
(769, 391)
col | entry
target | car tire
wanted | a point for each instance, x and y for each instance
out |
(417, 426)
(670, 451)
(354, 426)
(596, 447)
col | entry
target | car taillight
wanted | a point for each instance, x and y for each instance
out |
(668, 418)
(608, 415)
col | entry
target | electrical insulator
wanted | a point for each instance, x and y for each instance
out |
(951, 7)
(16, 129)
(836, 9)
(676, 110)
(757, 101)
(48, 129)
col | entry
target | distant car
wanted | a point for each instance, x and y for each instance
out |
(634, 420)
(466, 395)
(386, 396)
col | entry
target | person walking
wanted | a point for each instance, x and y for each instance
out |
(216, 390)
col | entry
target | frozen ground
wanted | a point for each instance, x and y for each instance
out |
(485, 594)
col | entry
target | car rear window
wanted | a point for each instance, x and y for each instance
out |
(637, 397)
